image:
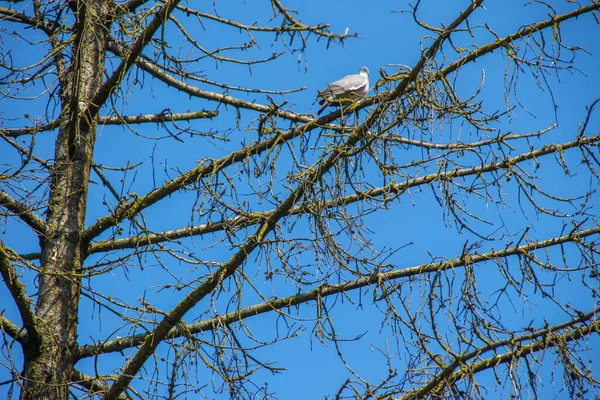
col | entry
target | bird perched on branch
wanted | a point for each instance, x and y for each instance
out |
(349, 88)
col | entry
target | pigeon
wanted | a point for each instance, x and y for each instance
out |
(351, 87)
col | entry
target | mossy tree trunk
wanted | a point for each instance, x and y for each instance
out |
(49, 361)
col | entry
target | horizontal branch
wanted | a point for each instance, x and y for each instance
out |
(153, 238)
(22, 211)
(116, 120)
(30, 130)
(162, 117)
(465, 145)
(330, 290)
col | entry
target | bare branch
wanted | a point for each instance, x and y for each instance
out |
(22, 211)
(16, 132)
(23, 302)
(12, 330)
(12, 15)
(541, 339)
(118, 120)
(292, 26)
(162, 117)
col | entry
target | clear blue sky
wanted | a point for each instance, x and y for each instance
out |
(314, 370)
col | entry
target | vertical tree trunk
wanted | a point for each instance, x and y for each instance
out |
(48, 365)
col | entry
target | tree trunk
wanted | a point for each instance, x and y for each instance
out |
(48, 365)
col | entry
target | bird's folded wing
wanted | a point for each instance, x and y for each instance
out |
(347, 85)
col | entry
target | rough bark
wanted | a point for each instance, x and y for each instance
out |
(49, 364)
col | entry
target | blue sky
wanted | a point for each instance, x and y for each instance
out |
(416, 223)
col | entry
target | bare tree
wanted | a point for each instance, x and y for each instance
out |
(271, 214)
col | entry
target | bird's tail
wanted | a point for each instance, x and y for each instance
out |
(323, 106)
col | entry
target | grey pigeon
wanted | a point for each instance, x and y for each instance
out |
(351, 87)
